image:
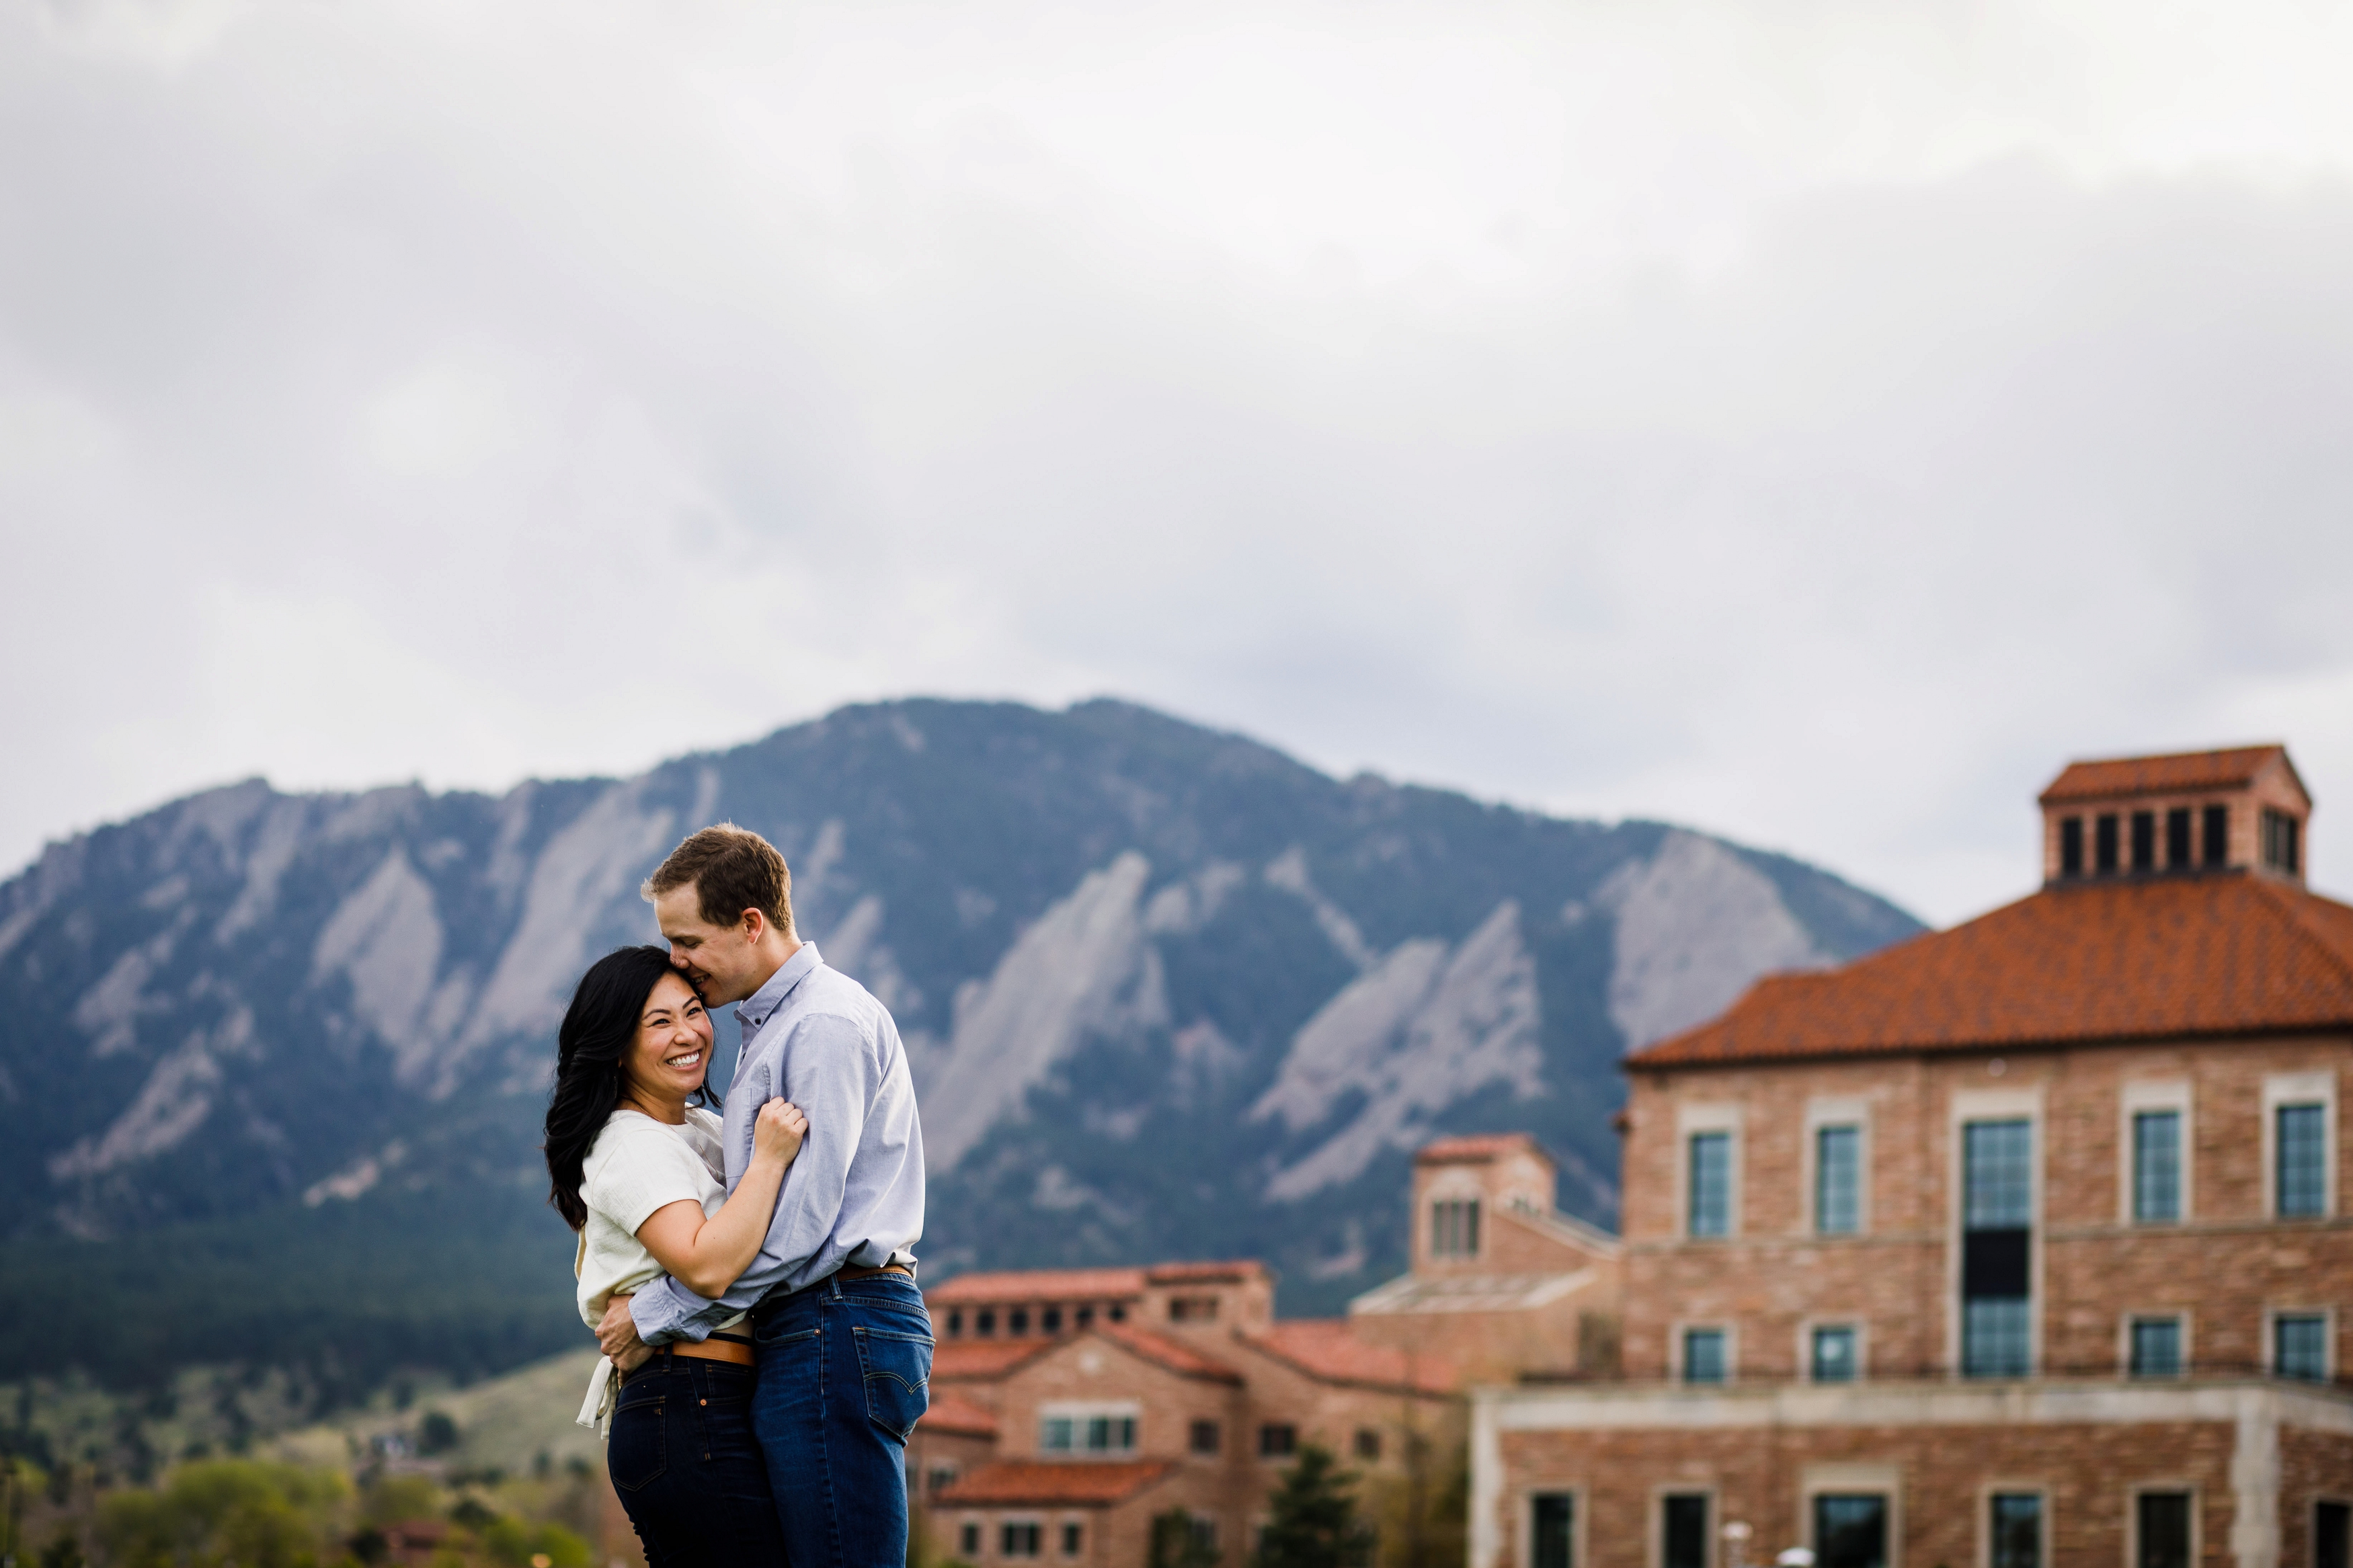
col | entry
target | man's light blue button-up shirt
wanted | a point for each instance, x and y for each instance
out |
(855, 1194)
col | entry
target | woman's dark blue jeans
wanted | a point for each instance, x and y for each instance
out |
(688, 1468)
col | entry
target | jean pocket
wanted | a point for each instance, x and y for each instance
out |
(638, 1451)
(898, 1372)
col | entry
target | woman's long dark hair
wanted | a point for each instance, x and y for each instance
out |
(596, 1033)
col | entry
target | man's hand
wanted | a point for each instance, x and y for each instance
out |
(618, 1335)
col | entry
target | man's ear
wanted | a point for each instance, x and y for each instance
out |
(753, 924)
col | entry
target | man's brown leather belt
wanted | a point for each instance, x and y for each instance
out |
(870, 1273)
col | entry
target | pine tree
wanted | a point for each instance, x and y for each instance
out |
(1313, 1522)
(1178, 1541)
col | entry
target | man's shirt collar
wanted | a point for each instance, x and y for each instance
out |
(757, 1008)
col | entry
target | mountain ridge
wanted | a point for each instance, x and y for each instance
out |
(1165, 989)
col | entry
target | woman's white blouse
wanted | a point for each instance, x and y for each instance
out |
(637, 1165)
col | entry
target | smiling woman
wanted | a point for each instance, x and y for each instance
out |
(634, 1166)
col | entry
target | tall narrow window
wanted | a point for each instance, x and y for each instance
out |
(2279, 841)
(2155, 1349)
(1553, 1525)
(1711, 1183)
(2300, 1346)
(1997, 1243)
(2332, 1535)
(2144, 841)
(1838, 1180)
(2301, 1153)
(1833, 1355)
(2071, 846)
(1703, 1358)
(2161, 1523)
(2104, 842)
(2015, 1530)
(2156, 1165)
(2177, 839)
(2214, 835)
(1454, 1228)
(1850, 1530)
(1682, 1530)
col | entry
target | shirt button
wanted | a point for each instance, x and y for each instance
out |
(702, 1402)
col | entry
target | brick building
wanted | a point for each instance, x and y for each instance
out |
(1070, 1408)
(2019, 1244)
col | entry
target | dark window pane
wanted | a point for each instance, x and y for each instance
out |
(2163, 1520)
(1074, 1537)
(1838, 1180)
(2157, 1164)
(1556, 1530)
(1997, 1174)
(1703, 1355)
(968, 1538)
(2176, 837)
(1683, 1531)
(1850, 1531)
(2103, 835)
(2016, 1531)
(2300, 1346)
(983, 1322)
(2071, 847)
(2332, 1535)
(1368, 1442)
(1997, 1263)
(2215, 830)
(1277, 1442)
(2156, 1347)
(2303, 1159)
(2144, 841)
(1833, 1355)
(1205, 1437)
(1711, 1183)
(1050, 1319)
(1017, 1321)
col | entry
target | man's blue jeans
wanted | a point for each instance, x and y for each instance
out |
(844, 1374)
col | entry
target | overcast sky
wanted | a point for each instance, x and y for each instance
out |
(1815, 422)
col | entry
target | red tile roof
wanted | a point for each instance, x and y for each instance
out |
(1031, 1481)
(1326, 1348)
(1235, 1272)
(1040, 1285)
(2111, 960)
(984, 1358)
(954, 1414)
(2152, 775)
(1478, 1146)
(1164, 1351)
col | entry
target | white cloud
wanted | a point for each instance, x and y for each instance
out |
(1815, 424)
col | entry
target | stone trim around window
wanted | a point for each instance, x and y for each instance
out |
(2318, 1086)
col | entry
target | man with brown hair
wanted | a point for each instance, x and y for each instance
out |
(844, 1343)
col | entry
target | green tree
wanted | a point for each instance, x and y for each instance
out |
(437, 1434)
(1179, 1542)
(1313, 1520)
(515, 1542)
(259, 1515)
